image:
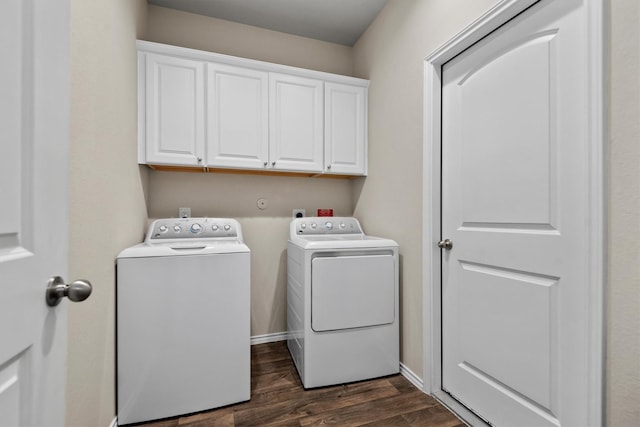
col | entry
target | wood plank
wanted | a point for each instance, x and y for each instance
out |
(267, 172)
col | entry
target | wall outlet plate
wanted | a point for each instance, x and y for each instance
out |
(184, 212)
(298, 213)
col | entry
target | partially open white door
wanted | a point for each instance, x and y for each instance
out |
(34, 122)
(515, 205)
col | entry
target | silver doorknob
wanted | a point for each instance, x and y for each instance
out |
(445, 244)
(57, 289)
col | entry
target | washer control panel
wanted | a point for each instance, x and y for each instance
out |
(324, 225)
(192, 228)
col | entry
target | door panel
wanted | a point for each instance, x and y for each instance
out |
(352, 291)
(514, 206)
(508, 149)
(528, 301)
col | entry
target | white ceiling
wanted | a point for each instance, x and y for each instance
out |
(336, 21)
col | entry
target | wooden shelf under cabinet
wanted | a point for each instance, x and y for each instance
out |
(166, 168)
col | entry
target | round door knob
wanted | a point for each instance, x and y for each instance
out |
(445, 244)
(57, 289)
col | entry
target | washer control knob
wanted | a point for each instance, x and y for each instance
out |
(195, 228)
(303, 225)
(227, 227)
(177, 228)
(215, 227)
(314, 225)
(163, 228)
(328, 225)
(342, 225)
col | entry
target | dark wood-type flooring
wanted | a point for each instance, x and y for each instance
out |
(278, 399)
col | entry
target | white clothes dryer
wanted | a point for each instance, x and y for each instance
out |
(182, 320)
(342, 302)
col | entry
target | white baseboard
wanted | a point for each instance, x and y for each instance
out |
(263, 339)
(411, 376)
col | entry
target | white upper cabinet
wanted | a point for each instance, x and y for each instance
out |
(204, 110)
(174, 104)
(345, 127)
(295, 123)
(237, 117)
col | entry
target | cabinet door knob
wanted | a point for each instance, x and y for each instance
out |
(199, 159)
(273, 163)
(266, 163)
(329, 167)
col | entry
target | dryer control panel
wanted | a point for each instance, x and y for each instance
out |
(162, 230)
(326, 225)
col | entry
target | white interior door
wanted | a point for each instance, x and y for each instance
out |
(515, 205)
(34, 122)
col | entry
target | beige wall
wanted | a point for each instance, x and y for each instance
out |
(389, 201)
(107, 209)
(623, 287)
(265, 231)
(202, 32)
(219, 195)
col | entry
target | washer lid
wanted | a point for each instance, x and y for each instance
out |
(189, 236)
(191, 247)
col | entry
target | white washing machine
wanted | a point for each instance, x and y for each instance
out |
(342, 302)
(183, 319)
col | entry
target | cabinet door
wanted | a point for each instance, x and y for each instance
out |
(174, 110)
(237, 117)
(295, 123)
(345, 111)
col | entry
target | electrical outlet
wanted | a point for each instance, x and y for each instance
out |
(298, 213)
(184, 212)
